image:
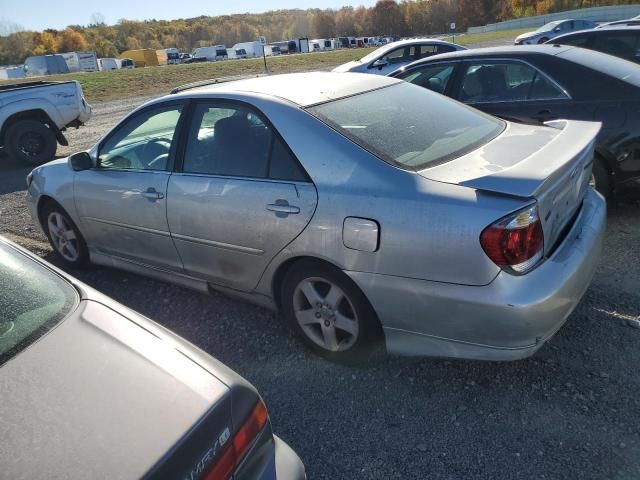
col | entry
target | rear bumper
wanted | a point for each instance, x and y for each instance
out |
(508, 319)
(288, 464)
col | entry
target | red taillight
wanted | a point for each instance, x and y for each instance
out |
(515, 242)
(236, 450)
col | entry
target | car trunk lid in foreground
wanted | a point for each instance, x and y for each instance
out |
(549, 165)
(101, 396)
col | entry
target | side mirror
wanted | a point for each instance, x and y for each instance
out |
(80, 161)
(557, 29)
(379, 63)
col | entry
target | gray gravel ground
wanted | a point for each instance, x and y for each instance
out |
(572, 411)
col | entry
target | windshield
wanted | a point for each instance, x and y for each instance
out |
(549, 26)
(32, 300)
(410, 126)
(378, 52)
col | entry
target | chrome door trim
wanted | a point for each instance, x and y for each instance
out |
(126, 225)
(224, 246)
(237, 177)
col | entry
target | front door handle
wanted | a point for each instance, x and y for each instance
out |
(282, 208)
(151, 194)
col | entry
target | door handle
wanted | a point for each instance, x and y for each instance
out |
(282, 208)
(151, 194)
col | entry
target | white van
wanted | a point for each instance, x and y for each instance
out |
(251, 49)
(106, 64)
(212, 53)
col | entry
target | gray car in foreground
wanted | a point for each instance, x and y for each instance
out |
(364, 208)
(90, 389)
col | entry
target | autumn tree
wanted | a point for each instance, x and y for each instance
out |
(324, 24)
(44, 43)
(72, 41)
(387, 18)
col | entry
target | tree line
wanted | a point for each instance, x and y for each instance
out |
(386, 17)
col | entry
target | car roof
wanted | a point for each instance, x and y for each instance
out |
(303, 89)
(488, 51)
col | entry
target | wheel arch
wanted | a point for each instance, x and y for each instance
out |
(36, 114)
(43, 201)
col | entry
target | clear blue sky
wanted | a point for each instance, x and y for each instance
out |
(41, 14)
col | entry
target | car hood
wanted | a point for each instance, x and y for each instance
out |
(346, 67)
(99, 395)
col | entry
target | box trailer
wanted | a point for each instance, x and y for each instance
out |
(272, 50)
(252, 49)
(81, 61)
(8, 73)
(145, 57)
(39, 65)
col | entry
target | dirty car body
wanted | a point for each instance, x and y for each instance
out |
(91, 389)
(415, 211)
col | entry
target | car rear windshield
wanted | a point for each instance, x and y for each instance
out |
(607, 64)
(409, 126)
(32, 300)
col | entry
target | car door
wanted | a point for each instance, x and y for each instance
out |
(122, 202)
(514, 89)
(239, 198)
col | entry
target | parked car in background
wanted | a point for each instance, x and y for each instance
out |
(311, 199)
(549, 82)
(184, 57)
(34, 115)
(149, 405)
(394, 55)
(623, 42)
(126, 63)
(552, 30)
(629, 22)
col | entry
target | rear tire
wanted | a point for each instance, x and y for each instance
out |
(601, 178)
(329, 313)
(64, 236)
(31, 142)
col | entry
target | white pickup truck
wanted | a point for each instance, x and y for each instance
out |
(33, 116)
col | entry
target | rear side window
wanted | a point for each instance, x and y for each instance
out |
(506, 81)
(409, 126)
(32, 300)
(581, 40)
(232, 140)
(619, 44)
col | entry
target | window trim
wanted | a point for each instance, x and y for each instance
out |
(183, 140)
(568, 96)
(136, 113)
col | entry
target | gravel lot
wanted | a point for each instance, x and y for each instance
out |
(572, 411)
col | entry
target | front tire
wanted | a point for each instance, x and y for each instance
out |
(64, 236)
(329, 313)
(31, 142)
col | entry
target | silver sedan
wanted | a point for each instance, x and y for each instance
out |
(366, 210)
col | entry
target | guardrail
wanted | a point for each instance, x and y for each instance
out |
(596, 14)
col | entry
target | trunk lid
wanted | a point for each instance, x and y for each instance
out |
(550, 164)
(100, 395)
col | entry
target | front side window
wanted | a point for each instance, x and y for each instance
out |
(143, 142)
(618, 44)
(32, 300)
(232, 140)
(395, 56)
(579, 40)
(409, 126)
(506, 81)
(433, 77)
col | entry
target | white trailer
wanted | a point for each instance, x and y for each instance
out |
(7, 73)
(252, 49)
(106, 64)
(81, 61)
(272, 50)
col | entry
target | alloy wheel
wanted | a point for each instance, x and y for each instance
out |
(63, 237)
(325, 314)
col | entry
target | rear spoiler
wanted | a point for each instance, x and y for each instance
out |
(531, 176)
(214, 81)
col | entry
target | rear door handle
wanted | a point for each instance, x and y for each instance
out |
(151, 194)
(282, 208)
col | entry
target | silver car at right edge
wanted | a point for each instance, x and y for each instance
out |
(412, 219)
